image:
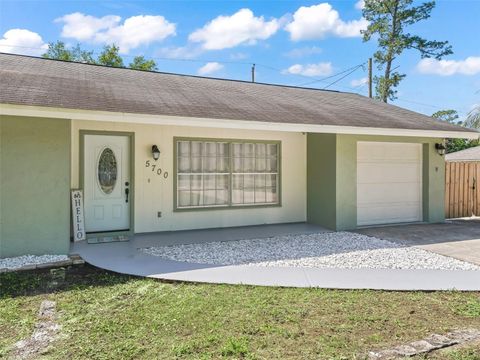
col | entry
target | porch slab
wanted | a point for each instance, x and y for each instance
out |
(125, 257)
(226, 234)
(458, 238)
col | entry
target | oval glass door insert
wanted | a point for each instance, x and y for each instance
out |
(107, 171)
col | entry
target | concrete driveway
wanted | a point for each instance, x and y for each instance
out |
(459, 239)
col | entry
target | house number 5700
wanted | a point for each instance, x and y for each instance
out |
(156, 169)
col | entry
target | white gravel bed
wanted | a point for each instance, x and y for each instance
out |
(342, 250)
(18, 262)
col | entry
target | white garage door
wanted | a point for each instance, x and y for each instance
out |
(389, 183)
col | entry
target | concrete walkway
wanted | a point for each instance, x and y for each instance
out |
(124, 257)
(459, 238)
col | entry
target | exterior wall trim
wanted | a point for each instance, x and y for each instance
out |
(75, 114)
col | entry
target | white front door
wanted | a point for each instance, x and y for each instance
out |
(389, 183)
(106, 183)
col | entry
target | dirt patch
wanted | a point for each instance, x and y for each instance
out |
(46, 331)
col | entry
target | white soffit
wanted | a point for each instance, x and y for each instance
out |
(91, 115)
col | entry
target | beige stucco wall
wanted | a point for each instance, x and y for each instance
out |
(154, 193)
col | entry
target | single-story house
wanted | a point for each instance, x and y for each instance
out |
(467, 155)
(164, 152)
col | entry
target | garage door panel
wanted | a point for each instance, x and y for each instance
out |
(395, 151)
(389, 214)
(389, 183)
(398, 193)
(374, 173)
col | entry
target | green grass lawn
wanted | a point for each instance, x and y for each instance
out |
(110, 316)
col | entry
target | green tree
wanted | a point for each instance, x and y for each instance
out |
(140, 63)
(450, 116)
(110, 56)
(453, 145)
(388, 23)
(58, 50)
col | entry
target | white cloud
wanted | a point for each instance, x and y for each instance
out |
(238, 56)
(134, 32)
(229, 31)
(180, 52)
(318, 21)
(360, 4)
(359, 82)
(302, 52)
(22, 41)
(469, 66)
(210, 68)
(85, 27)
(320, 69)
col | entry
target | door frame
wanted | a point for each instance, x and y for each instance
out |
(131, 142)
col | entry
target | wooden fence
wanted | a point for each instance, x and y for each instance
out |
(462, 193)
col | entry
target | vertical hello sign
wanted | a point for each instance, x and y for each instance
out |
(77, 215)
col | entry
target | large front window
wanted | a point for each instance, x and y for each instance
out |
(226, 173)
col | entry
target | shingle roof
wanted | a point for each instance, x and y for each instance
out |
(471, 154)
(41, 82)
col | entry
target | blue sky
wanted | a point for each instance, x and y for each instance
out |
(292, 42)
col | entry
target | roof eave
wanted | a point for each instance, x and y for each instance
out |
(108, 116)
